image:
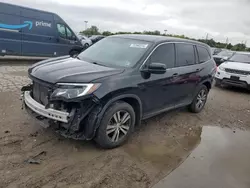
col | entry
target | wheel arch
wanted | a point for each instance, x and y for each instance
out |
(207, 83)
(131, 99)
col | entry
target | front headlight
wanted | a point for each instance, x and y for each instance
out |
(74, 90)
(221, 68)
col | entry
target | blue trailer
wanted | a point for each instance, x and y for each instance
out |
(30, 32)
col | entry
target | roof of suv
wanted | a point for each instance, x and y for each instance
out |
(157, 38)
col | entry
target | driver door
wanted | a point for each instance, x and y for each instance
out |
(158, 90)
(65, 41)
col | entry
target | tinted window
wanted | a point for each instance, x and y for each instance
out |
(69, 33)
(184, 55)
(203, 54)
(164, 54)
(61, 30)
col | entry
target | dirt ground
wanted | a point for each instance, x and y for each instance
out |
(155, 149)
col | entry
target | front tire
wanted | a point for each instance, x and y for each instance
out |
(116, 125)
(199, 100)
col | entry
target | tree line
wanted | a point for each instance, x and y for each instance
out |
(94, 30)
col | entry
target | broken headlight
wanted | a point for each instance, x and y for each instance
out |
(74, 90)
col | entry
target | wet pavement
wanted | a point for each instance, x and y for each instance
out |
(221, 160)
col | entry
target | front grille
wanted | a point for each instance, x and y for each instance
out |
(238, 71)
(234, 82)
(40, 93)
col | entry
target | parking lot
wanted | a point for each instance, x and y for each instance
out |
(156, 148)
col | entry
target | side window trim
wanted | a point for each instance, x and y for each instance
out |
(149, 55)
(72, 34)
(176, 54)
(197, 58)
(64, 29)
(148, 59)
(210, 56)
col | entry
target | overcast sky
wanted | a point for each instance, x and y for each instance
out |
(194, 18)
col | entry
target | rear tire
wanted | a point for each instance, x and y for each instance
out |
(116, 125)
(199, 100)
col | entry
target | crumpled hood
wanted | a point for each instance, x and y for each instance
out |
(69, 70)
(236, 65)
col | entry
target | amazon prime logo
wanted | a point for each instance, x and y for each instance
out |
(25, 24)
(43, 24)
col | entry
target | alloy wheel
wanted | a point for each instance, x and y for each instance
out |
(118, 126)
(201, 99)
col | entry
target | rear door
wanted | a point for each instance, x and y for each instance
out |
(206, 63)
(185, 73)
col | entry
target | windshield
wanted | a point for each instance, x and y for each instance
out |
(115, 52)
(242, 58)
(225, 53)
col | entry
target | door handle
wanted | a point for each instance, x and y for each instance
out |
(175, 74)
(198, 70)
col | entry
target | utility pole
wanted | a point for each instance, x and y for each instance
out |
(207, 37)
(86, 24)
(226, 43)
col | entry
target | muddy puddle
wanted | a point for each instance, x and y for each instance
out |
(220, 160)
(153, 151)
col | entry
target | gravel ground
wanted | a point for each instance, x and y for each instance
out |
(156, 148)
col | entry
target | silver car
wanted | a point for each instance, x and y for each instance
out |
(86, 42)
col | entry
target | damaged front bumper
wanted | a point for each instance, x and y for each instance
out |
(77, 122)
(41, 110)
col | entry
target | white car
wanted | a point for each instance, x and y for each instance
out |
(235, 71)
(86, 42)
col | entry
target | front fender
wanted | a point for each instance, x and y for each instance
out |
(98, 113)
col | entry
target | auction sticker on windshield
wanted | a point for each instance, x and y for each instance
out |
(139, 45)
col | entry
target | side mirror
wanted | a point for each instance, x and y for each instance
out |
(157, 68)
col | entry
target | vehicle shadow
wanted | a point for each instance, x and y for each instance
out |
(235, 89)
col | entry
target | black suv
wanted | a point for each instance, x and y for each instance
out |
(107, 90)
